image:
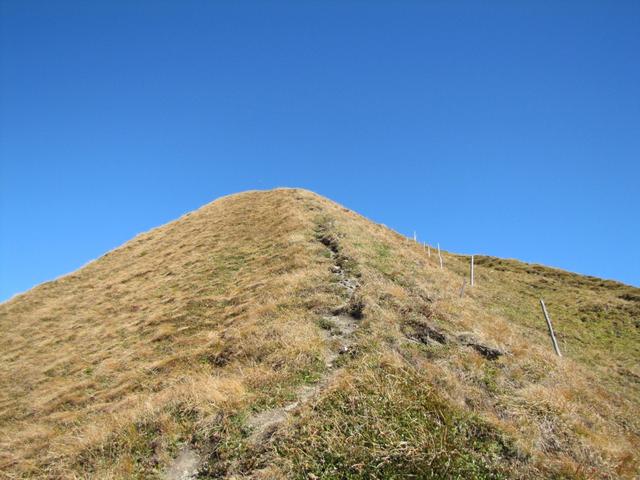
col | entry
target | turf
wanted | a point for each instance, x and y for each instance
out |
(188, 335)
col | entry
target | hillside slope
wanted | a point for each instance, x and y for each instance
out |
(279, 335)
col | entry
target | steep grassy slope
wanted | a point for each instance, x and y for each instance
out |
(278, 335)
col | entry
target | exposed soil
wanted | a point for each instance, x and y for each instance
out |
(338, 327)
(427, 334)
(185, 466)
(488, 352)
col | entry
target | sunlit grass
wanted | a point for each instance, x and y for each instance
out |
(182, 334)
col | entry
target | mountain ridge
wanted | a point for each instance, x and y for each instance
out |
(276, 334)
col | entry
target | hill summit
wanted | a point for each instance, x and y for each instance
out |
(277, 334)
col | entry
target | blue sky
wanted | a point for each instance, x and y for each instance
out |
(504, 128)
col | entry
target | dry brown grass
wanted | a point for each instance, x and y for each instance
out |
(202, 305)
(177, 336)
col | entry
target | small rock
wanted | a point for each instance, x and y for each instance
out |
(184, 467)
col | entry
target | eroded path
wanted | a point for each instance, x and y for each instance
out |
(339, 327)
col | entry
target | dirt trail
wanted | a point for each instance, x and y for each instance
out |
(339, 329)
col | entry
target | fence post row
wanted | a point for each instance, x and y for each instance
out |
(472, 283)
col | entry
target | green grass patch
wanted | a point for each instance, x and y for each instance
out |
(385, 423)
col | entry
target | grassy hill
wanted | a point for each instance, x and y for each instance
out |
(279, 335)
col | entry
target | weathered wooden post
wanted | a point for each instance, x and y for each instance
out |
(415, 237)
(440, 256)
(464, 282)
(553, 335)
(472, 270)
(429, 250)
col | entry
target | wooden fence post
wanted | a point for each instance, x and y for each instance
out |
(553, 335)
(464, 282)
(472, 271)
(440, 256)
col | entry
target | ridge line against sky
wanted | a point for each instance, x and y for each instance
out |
(505, 129)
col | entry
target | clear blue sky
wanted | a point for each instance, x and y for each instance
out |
(504, 128)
